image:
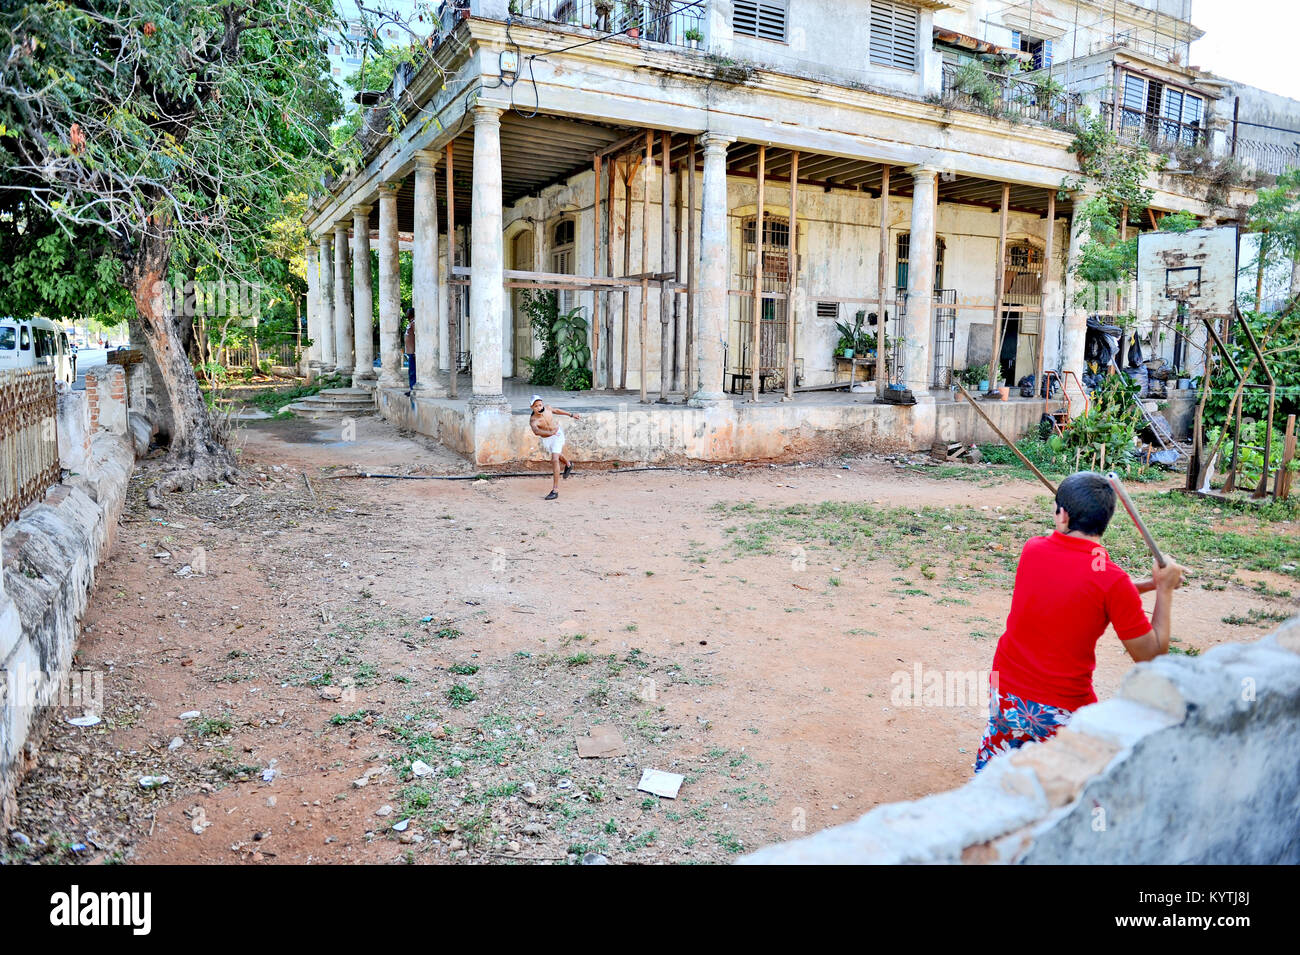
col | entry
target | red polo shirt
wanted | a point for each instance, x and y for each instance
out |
(1067, 591)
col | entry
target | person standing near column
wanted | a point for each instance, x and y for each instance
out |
(409, 347)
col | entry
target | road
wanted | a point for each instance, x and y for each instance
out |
(88, 358)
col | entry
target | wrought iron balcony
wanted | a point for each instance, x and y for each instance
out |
(659, 21)
(1034, 97)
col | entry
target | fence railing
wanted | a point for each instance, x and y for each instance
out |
(1267, 158)
(1035, 97)
(29, 443)
(660, 21)
(1135, 125)
(241, 356)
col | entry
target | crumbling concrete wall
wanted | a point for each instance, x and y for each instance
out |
(1196, 761)
(50, 554)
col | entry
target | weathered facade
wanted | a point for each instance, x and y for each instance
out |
(539, 148)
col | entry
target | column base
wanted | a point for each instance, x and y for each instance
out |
(363, 380)
(707, 399)
(430, 389)
(345, 370)
(479, 403)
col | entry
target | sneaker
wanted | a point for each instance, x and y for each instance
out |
(567, 468)
(552, 496)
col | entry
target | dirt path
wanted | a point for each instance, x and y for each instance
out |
(348, 631)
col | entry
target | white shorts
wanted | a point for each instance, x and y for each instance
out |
(555, 443)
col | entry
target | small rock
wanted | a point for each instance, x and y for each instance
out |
(329, 692)
(175, 744)
(594, 858)
(420, 768)
(190, 715)
(153, 782)
(384, 810)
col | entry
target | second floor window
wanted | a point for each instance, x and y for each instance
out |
(894, 34)
(763, 19)
(1040, 50)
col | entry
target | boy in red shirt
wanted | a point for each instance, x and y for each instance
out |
(1067, 591)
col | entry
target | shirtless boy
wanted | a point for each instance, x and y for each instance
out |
(545, 427)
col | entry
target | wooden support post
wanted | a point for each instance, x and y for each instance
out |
(998, 292)
(882, 271)
(1047, 283)
(609, 270)
(791, 317)
(1282, 481)
(756, 331)
(691, 383)
(629, 171)
(594, 339)
(665, 255)
(645, 256)
(453, 307)
(679, 199)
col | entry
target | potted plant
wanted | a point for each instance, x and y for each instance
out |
(693, 38)
(632, 18)
(852, 339)
(974, 376)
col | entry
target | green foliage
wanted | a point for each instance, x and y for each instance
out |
(1111, 422)
(1250, 456)
(565, 360)
(972, 375)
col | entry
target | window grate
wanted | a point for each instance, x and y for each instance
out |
(828, 309)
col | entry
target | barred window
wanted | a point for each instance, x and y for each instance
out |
(894, 34)
(764, 19)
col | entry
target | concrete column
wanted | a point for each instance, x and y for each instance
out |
(326, 280)
(312, 355)
(1074, 330)
(444, 303)
(424, 277)
(363, 309)
(486, 287)
(918, 327)
(390, 292)
(343, 357)
(711, 310)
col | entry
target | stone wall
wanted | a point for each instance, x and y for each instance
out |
(50, 554)
(1196, 761)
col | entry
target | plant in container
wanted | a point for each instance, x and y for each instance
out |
(693, 38)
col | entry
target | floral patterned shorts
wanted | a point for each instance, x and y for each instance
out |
(1013, 722)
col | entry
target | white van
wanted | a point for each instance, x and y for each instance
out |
(37, 343)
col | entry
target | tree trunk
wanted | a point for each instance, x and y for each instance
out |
(196, 452)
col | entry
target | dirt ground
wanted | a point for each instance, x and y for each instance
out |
(397, 670)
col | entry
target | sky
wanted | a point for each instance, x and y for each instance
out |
(1249, 40)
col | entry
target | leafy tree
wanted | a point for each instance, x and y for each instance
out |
(165, 131)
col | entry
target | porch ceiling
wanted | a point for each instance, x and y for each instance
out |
(541, 151)
(866, 176)
(535, 152)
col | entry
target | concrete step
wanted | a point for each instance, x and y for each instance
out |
(326, 412)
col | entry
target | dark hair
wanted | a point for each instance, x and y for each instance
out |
(1089, 500)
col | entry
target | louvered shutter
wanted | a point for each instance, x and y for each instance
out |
(764, 19)
(894, 35)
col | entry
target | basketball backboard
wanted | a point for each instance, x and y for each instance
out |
(1194, 270)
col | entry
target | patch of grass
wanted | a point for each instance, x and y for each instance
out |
(461, 695)
(213, 725)
(578, 659)
(1254, 617)
(273, 400)
(463, 669)
(338, 719)
(448, 633)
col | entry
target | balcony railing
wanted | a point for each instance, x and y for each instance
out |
(1155, 130)
(1268, 158)
(660, 21)
(1147, 42)
(1025, 96)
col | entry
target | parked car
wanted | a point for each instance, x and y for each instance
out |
(37, 343)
